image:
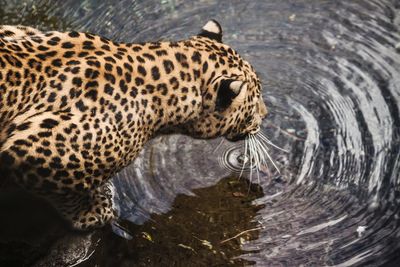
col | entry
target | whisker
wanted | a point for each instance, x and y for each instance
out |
(219, 145)
(251, 150)
(260, 157)
(265, 138)
(264, 149)
(257, 159)
(244, 157)
(256, 151)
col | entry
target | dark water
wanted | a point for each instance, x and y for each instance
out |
(331, 76)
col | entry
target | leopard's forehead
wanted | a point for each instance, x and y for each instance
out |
(226, 59)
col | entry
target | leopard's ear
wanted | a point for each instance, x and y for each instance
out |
(212, 29)
(229, 90)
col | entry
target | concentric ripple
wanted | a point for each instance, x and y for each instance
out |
(331, 78)
(235, 160)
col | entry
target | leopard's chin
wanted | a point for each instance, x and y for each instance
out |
(236, 138)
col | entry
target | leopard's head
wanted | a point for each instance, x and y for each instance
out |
(232, 104)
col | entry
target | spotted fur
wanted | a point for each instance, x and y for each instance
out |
(75, 107)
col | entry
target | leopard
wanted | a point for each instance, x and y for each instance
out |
(76, 108)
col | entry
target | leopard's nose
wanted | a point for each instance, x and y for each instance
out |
(255, 130)
(262, 109)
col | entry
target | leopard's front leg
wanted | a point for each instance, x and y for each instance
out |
(87, 210)
(57, 157)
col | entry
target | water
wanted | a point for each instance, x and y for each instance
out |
(331, 79)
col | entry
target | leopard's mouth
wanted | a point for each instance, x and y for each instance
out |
(236, 138)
